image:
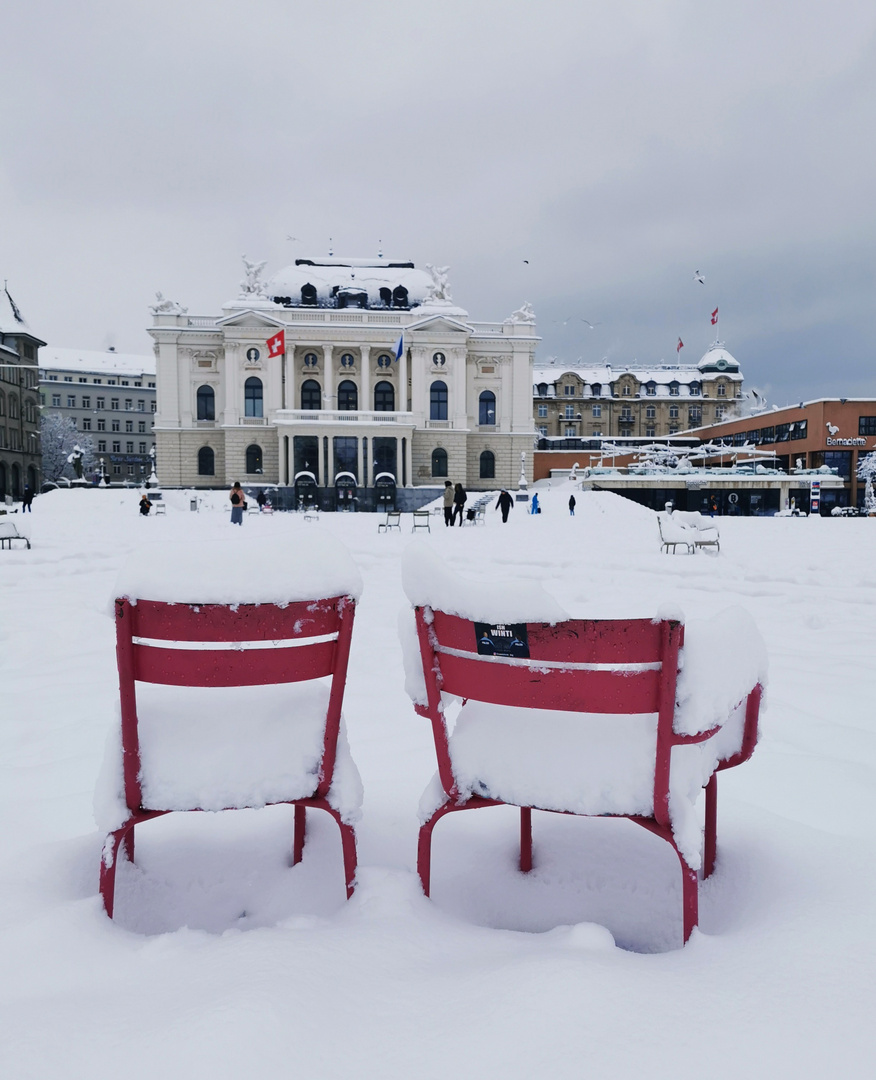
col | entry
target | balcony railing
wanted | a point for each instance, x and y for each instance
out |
(343, 416)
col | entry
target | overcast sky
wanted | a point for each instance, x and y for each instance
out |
(618, 147)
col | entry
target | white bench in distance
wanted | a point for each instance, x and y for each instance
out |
(705, 529)
(9, 534)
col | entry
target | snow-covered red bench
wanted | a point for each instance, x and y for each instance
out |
(224, 656)
(629, 718)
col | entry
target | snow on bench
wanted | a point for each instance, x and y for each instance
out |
(10, 533)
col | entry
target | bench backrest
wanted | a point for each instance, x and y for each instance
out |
(8, 529)
(230, 645)
(619, 667)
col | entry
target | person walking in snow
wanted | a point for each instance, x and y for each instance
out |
(572, 505)
(27, 501)
(261, 499)
(238, 503)
(459, 497)
(504, 503)
(448, 503)
(535, 508)
(145, 505)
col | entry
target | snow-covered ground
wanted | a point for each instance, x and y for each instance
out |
(225, 962)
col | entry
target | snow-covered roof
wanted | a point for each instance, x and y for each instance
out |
(101, 361)
(661, 376)
(369, 275)
(716, 358)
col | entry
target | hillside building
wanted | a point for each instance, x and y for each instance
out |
(20, 453)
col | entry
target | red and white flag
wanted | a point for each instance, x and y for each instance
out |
(277, 344)
(715, 317)
(679, 346)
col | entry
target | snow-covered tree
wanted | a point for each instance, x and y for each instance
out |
(867, 472)
(62, 444)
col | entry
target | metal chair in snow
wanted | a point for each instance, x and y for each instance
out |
(623, 669)
(240, 645)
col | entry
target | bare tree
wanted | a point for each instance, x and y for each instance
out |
(60, 442)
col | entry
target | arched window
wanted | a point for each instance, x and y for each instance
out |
(488, 465)
(439, 462)
(386, 295)
(252, 393)
(438, 400)
(348, 395)
(207, 462)
(311, 359)
(311, 394)
(399, 296)
(487, 407)
(596, 389)
(254, 459)
(206, 404)
(384, 397)
(308, 294)
(13, 407)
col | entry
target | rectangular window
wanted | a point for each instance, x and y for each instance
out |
(722, 390)
(152, 403)
(101, 425)
(651, 391)
(124, 382)
(86, 401)
(719, 412)
(867, 425)
(129, 404)
(569, 391)
(783, 431)
(627, 390)
(138, 383)
(117, 470)
(673, 412)
(115, 425)
(650, 412)
(101, 403)
(82, 378)
(111, 382)
(101, 446)
(152, 385)
(71, 401)
(597, 410)
(569, 431)
(130, 470)
(68, 378)
(142, 448)
(694, 389)
(86, 424)
(42, 399)
(53, 378)
(673, 429)
(542, 410)
(114, 403)
(56, 400)
(542, 430)
(673, 389)
(117, 446)
(129, 425)
(346, 454)
(570, 412)
(141, 427)
(129, 448)
(626, 414)
(650, 432)
(97, 382)
(141, 405)
(596, 432)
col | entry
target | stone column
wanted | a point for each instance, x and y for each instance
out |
(328, 381)
(365, 401)
(459, 389)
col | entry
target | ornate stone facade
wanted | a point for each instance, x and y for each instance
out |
(453, 400)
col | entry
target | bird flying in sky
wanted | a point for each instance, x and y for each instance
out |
(699, 277)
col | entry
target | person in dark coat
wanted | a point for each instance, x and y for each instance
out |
(572, 505)
(448, 503)
(145, 505)
(27, 501)
(459, 497)
(261, 499)
(504, 503)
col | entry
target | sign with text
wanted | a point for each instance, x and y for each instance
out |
(502, 639)
(814, 496)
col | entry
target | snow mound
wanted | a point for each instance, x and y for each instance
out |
(240, 570)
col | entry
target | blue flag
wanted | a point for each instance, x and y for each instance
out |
(399, 348)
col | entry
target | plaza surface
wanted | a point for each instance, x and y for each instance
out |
(223, 961)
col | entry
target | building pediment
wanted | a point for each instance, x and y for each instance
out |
(251, 319)
(441, 324)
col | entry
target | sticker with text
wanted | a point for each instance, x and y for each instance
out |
(502, 639)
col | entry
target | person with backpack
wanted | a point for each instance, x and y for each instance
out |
(238, 503)
(448, 503)
(572, 505)
(459, 498)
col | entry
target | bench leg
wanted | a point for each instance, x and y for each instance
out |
(298, 836)
(710, 841)
(525, 839)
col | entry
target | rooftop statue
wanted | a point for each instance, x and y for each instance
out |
(252, 284)
(162, 306)
(524, 314)
(440, 286)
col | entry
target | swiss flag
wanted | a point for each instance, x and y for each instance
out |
(679, 346)
(715, 317)
(277, 344)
